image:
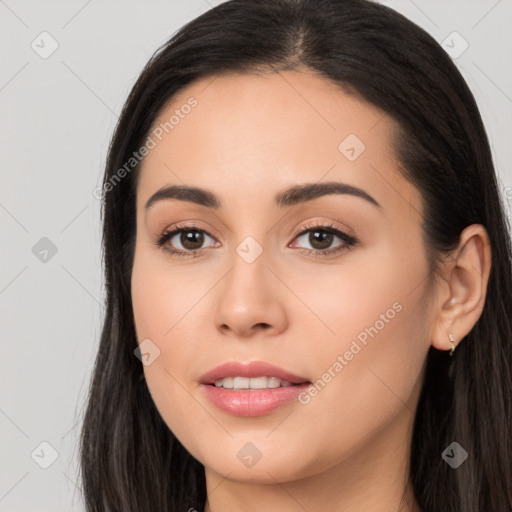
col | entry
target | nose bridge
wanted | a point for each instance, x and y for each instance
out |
(249, 263)
(253, 245)
(247, 297)
(251, 237)
(252, 240)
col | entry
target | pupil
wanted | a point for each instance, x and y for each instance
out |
(192, 239)
(324, 238)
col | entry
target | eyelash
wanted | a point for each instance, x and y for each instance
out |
(349, 241)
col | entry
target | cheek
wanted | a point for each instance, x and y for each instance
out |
(360, 297)
(369, 368)
(167, 311)
(163, 307)
(164, 295)
(365, 386)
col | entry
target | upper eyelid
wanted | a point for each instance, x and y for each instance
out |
(329, 225)
(179, 226)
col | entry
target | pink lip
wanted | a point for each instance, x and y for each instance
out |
(252, 369)
(251, 402)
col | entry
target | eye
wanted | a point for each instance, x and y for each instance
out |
(321, 236)
(191, 238)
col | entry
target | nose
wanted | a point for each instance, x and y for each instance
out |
(250, 300)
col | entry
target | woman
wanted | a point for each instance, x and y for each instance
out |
(240, 369)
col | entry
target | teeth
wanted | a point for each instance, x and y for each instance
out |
(252, 383)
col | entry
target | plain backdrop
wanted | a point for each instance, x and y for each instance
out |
(58, 113)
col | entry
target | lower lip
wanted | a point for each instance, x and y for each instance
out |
(252, 402)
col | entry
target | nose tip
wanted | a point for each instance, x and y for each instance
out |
(249, 302)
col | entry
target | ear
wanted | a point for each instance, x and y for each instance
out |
(462, 290)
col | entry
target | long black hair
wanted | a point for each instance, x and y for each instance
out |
(129, 459)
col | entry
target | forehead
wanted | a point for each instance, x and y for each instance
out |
(258, 133)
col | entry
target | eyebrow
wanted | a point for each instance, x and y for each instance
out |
(289, 197)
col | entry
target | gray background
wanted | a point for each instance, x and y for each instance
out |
(58, 114)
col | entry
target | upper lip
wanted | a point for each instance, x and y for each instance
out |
(251, 369)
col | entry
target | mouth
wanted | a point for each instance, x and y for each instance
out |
(254, 383)
(251, 389)
(253, 375)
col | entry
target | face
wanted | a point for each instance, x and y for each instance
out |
(331, 287)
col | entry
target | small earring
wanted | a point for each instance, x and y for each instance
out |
(452, 340)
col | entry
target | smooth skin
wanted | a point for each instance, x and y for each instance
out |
(250, 137)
